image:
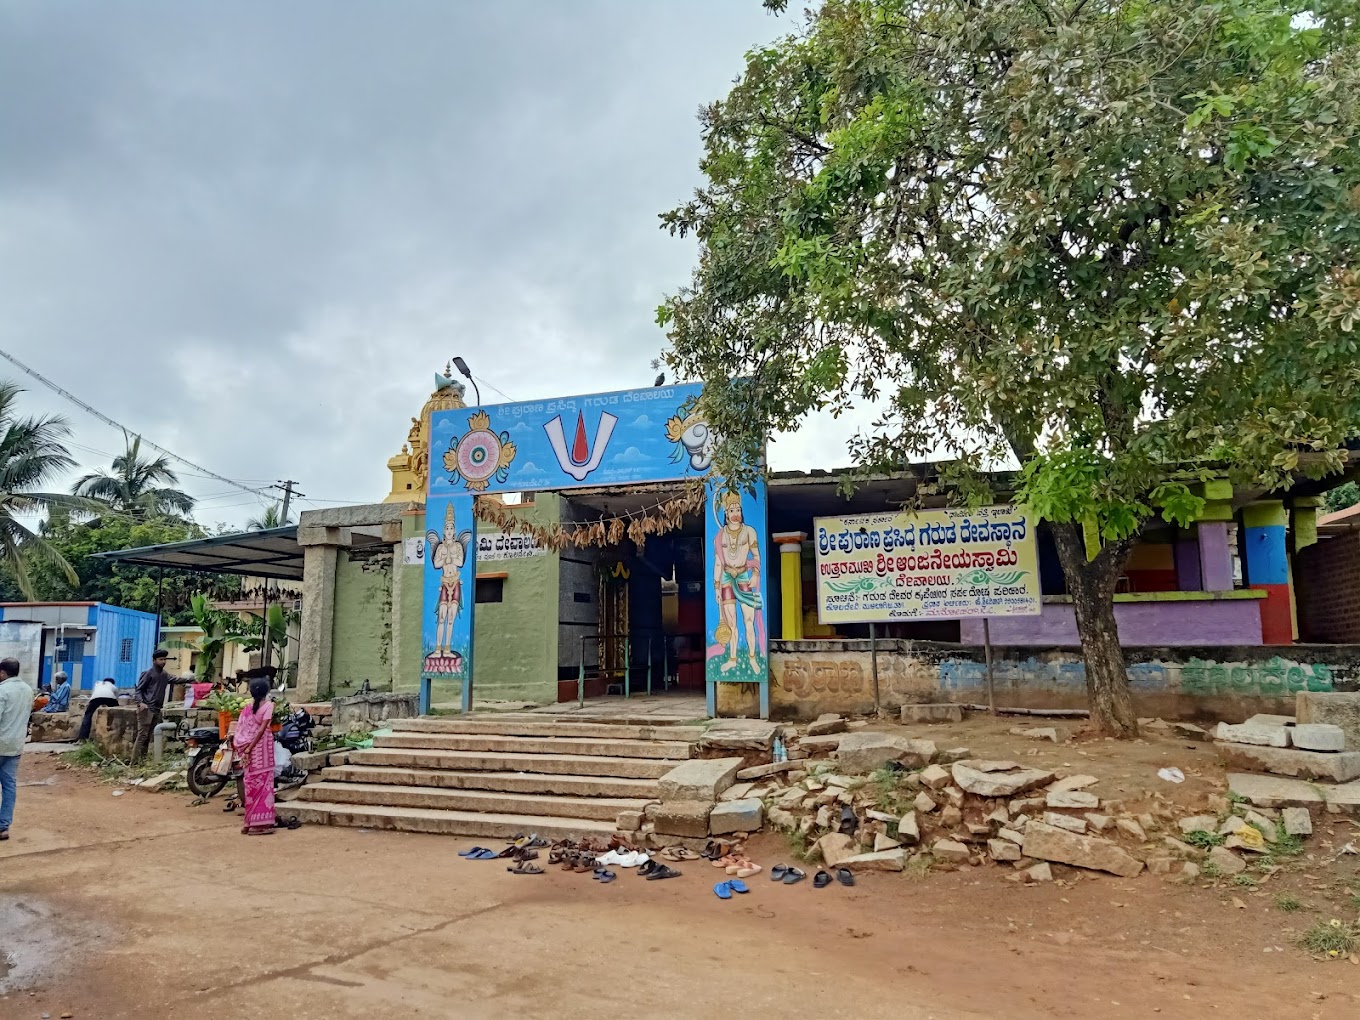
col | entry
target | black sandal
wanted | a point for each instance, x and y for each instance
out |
(662, 871)
(844, 877)
(821, 880)
(794, 875)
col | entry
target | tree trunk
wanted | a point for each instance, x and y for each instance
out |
(1091, 584)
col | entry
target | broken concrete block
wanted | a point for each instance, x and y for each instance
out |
(1098, 822)
(861, 753)
(884, 860)
(1339, 709)
(1064, 822)
(1336, 767)
(826, 725)
(924, 803)
(1072, 800)
(1072, 783)
(932, 713)
(1264, 736)
(736, 816)
(1131, 827)
(836, 847)
(1318, 737)
(951, 850)
(935, 778)
(1199, 823)
(683, 818)
(1226, 861)
(907, 829)
(1035, 733)
(1003, 850)
(629, 821)
(988, 783)
(700, 779)
(1047, 843)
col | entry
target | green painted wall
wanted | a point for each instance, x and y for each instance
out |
(362, 637)
(515, 641)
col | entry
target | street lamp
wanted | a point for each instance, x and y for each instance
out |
(466, 373)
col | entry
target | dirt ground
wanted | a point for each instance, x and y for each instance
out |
(141, 906)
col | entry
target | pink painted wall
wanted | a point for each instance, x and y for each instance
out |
(1141, 624)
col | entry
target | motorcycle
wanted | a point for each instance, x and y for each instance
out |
(201, 743)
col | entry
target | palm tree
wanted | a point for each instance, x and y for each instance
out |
(271, 518)
(136, 485)
(31, 452)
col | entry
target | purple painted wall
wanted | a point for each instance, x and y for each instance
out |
(1187, 563)
(1141, 624)
(1215, 558)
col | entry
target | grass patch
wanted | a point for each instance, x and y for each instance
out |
(1210, 870)
(111, 769)
(799, 846)
(1203, 840)
(1285, 844)
(1355, 899)
(1236, 798)
(1288, 902)
(888, 791)
(1330, 938)
(1245, 881)
(918, 867)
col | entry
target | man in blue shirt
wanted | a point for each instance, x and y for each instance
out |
(60, 700)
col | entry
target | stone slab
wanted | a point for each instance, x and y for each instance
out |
(1244, 733)
(1273, 792)
(1318, 737)
(1297, 821)
(1072, 800)
(908, 830)
(1046, 843)
(1226, 861)
(739, 735)
(1064, 822)
(883, 860)
(1340, 767)
(1271, 720)
(862, 752)
(826, 726)
(700, 779)
(998, 784)
(835, 847)
(1339, 709)
(820, 745)
(736, 816)
(951, 850)
(932, 714)
(683, 817)
(772, 769)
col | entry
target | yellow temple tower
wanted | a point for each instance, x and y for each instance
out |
(411, 468)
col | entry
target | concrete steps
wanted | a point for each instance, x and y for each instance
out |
(494, 777)
(562, 764)
(506, 782)
(448, 823)
(537, 726)
(602, 809)
(672, 750)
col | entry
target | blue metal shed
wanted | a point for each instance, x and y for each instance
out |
(89, 640)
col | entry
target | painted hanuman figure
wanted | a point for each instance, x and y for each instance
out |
(447, 555)
(736, 580)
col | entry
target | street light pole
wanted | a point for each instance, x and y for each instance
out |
(466, 373)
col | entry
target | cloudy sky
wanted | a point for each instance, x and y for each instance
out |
(252, 231)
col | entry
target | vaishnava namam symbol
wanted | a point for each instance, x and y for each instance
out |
(582, 458)
(480, 454)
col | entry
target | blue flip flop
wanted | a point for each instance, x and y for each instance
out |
(723, 890)
(485, 855)
(737, 885)
(470, 853)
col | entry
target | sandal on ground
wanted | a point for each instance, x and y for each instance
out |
(586, 863)
(662, 871)
(485, 855)
(471, 852)
(604, 875)
(844, 877)
(569, 860)
(779, 871)
(723, 891)
(649, 867)
(747, 869)
(737, 885)
(794, 875)
(525, 869)
(526, 855)
(821, 880)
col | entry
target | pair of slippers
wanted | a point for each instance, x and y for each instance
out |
(604, 876)
(624, 858)
(787, 874)
(479, 853)
(652, 871)
(724, 890)
(821, 880)
(525, 868)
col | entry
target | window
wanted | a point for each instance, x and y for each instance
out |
(490, 589)
(71, 650)
(125, 650)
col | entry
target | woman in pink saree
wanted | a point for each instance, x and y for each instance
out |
(254, 747)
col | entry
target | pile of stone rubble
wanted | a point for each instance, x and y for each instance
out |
(965, 812)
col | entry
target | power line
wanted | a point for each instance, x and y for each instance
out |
(109, 421)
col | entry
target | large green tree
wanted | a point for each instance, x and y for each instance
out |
(32, 453)
(1115, 243)
(132, 587)
(137, 485)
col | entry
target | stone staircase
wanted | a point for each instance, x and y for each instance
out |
(493, 776)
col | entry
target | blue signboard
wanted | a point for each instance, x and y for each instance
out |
(449, 589)
(628, 437)
(736, 632)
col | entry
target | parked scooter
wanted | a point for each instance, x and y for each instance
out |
(201, 743)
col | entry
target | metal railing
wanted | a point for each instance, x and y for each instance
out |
(654, 637)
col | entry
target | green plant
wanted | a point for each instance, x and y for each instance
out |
(1244, 881)
(888, 792)
(1210, 870)
(132, 486)
(918, 867)
(86, 755)
(1204, 840)
(1288, 903)
(1286, 845)
(799, 846)
(1236, 798)
(1332, 938)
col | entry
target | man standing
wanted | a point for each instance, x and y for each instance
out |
(60, 701)
(16, 703)
(150, 696)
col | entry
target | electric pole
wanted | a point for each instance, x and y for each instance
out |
(286, 486)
